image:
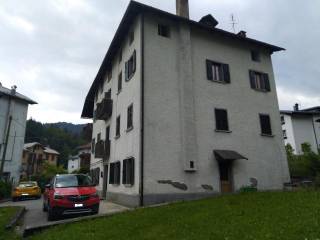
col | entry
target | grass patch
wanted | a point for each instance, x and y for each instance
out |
(6, 214)
(287, 215)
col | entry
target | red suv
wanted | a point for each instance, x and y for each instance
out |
(70, 194)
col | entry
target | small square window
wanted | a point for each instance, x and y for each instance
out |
(120, 82)
(130, 117)
(164, 31)
(118, 127)
(255, 56)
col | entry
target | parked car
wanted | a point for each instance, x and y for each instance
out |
(70, 194)
(26, 190)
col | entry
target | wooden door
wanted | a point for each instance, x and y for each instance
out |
(225, 177)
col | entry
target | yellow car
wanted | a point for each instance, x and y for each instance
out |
(26, 190)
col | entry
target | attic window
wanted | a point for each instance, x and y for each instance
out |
(164, 31)
(255, 56)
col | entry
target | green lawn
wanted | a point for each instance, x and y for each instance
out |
(6, 214)
(289, 215)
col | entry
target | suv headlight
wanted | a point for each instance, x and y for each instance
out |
(58, 196)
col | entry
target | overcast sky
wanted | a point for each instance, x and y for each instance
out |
(52, 49)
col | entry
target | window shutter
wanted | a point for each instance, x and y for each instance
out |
(265, 124)
(134, 62)
(118, 172)
(111, 178)
(252, 79)
(209, 70)
(124, 169)
(126, 71)
(132, 171)
(266, 81)
(226, 73)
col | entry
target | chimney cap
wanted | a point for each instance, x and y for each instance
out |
(209, 20)
(13, 89)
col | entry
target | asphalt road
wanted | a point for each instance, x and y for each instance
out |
(35, 217)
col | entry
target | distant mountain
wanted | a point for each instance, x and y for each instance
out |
(69, 127)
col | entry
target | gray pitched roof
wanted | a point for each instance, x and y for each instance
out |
(7, 92)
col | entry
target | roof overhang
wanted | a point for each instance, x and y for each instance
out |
(227, 155)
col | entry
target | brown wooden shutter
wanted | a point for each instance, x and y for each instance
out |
(226, 73)
(252, 79)
(266, 82)
(209, 69)
(126, 71)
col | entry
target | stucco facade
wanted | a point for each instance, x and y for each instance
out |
(174, 138)
(301, 126)
(15, 106)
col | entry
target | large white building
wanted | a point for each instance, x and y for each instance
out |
(301, 126)
(13, 116)
(183, 110)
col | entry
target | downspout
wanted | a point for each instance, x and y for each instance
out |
(141, 189)
(315, 135)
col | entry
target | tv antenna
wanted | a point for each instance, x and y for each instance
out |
(233, 23)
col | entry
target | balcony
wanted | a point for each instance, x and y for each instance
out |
(104, 109)
(102, 149)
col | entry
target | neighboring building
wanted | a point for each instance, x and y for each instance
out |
(13, 116)
(34, 156)
(81, 160)
(178, 106)
(301, 126)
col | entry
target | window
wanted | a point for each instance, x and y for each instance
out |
(130, 67)
(98, 137)
(93, 144)
(108, 133)
(164, 31)
(128, 171)
(130, 117)
(109, 75)
(118, 127)
(115, 173)
(284, 133)
(120, 82)
(107, 95)
(218, 72)
(259, 81)
(131, 38)
(265, 124)
(221, 120)
(255, 56)
(282, 120)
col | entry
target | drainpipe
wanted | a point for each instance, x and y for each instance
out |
(141, 187)
(315, 135)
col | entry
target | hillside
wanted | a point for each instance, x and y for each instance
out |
(69, 127)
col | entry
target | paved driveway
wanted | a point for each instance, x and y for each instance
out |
(35, 217)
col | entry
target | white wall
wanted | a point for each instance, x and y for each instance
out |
(164, 158)
(17, 133)
(128, 145)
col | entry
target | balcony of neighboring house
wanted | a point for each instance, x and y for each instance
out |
(102, 149)
(104, 109)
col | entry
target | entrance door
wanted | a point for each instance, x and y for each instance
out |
(105, 181)
(225, 177)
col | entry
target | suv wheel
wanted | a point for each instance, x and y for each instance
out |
(51, 215)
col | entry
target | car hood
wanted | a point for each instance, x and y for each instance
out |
(76, 191)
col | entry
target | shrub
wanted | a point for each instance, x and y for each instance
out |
(5, 189)
(247, 189)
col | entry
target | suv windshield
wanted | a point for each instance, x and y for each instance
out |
(65, 181)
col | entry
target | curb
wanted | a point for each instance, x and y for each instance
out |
(5, 200)
(16, 218)
(28, 231)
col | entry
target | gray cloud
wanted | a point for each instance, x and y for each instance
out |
(52, 49)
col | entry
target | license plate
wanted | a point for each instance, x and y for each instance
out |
(78, 205)
(25, 194)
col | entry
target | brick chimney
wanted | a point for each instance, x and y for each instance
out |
(182, 8)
